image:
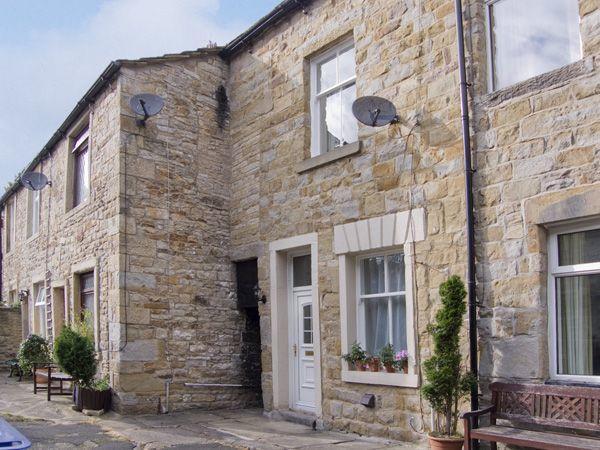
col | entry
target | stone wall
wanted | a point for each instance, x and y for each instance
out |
(182, 320)
(10, 332)
(70, 239)
(537, 148)
(407, 55)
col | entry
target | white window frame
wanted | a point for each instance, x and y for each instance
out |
(34, 199)
(10, 228)
(318, 132)
(82, 140)
(389, 234)
(43, 326)
(360, 298)
(489, 38)
(555, 271)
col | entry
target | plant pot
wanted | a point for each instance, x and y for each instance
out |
(405, 367)
(360, 366)
(389, 368)
(374, 365)
(445, 443)
(92, 399)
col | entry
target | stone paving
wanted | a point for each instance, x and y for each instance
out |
(54, 424)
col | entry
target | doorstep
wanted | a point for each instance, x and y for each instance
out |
(300, 417)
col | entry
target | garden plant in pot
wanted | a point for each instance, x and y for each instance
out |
(386, 354)
(356, 357)
(33, 350)
(447, 381)
(74, 353)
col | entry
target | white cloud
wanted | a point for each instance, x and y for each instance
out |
(42, 78)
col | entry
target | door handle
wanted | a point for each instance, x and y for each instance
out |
(295, 348)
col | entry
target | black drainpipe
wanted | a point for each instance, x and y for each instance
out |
(464, 106)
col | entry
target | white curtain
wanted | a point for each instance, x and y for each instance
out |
(376, 324)
(575, 312)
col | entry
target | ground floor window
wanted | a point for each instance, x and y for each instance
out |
(574, 288)
(39, 320)
(86, 296)
(382, 302)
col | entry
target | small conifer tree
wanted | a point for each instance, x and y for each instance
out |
(447, 383)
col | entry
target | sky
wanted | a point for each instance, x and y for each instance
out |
(51, 51)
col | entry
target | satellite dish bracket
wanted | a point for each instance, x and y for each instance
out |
(142, 122)
(145, 106)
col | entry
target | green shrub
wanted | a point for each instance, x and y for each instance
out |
(447, 383)
(75, 355)
(34, 349)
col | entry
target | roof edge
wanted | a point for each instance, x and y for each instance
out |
(272, 18)
(105, 78)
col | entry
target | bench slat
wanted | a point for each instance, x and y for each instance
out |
(535, 439)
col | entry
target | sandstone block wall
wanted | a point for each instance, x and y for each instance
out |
(68, 237)
(10, 332)
(537, 143)
(177, 283)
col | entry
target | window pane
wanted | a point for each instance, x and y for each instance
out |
(372, 273)
(326, 74)
(41, 321)
(578, 325)
(396, 273)
(533, 37)
(301, 271)
(579, 248)
(376, 324)
(307, 323)
(81, 179)
(349, 123)
(86, 281)
(346, 65)
(399, 322)
(333, 120)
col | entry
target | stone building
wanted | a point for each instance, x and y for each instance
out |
(256, 181)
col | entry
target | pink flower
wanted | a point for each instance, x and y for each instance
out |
(401, 355)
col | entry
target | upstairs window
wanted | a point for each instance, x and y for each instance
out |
(81, 168)
(9, 225)
(531, 37)
(86, 296)
(574, 288)
(333, 90)
(33, 212)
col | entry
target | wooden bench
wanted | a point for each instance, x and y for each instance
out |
(539, 416)
(46, 374)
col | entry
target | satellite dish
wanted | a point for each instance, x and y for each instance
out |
(34, 181)
(146, 105)
(374, 111)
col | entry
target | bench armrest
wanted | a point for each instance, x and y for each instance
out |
(479, 412)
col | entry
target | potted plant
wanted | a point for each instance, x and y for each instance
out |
(373, 363)
(387, 358)
(75, 355)
(33, 350)
(447, 382)
(356, 357)
(401, 360)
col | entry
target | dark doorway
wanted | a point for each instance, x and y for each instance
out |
(247, 283)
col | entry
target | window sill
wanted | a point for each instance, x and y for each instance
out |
(536, 83)
(79, 207)
(381, 378)
(329, 157)
(33, 237)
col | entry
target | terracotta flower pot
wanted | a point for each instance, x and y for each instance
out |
(405, 366)
(374, 365)
(389, 368)
(445, 443)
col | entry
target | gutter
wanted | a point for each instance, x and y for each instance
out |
(466, 136)
(104, 79)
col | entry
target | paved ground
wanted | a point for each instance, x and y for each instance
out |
(51, 425)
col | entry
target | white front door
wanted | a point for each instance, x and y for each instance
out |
(302, 354)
